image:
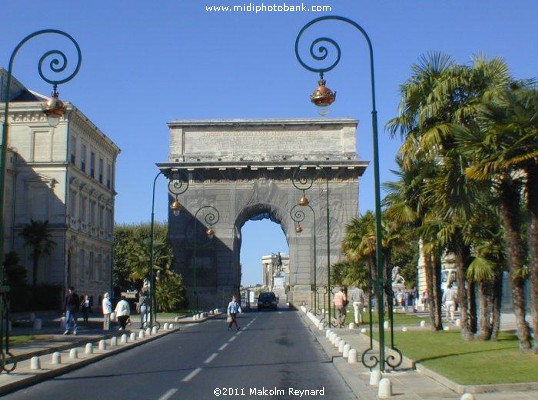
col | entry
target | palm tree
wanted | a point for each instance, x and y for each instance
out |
(37, 236)
(504, 150)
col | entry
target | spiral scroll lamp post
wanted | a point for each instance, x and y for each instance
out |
(323, 97)
(210, 216)
(298, 216)
(303, 181)
(54, 109)
(177, 185)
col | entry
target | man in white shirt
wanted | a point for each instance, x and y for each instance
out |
(357, 299)
(123, 312)
(449, 299)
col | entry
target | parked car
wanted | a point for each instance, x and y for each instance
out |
(267, 300)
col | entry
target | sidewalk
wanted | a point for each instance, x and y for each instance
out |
(91, 344)
(408, 382)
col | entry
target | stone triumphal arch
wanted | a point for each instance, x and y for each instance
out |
(245, 168)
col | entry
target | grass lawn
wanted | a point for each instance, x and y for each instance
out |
(469, 363)
(15, 340)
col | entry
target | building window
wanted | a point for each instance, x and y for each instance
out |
(108, 176)
(101, 170)
(82, 264)
(83, 208)
(73, 208)
(83, 157)
(92, 213)
(73, 150)
(91, 269)
(101, 217)
(92, 164)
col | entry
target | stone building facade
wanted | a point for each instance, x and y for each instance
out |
(245, 169)
(66, 176)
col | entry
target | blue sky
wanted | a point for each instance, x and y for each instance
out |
(146, 63)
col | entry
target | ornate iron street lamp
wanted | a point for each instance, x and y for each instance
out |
(210, 216)
(298, 216)
(54, 109)
(303, 181)
(319, 52)
(177, 185)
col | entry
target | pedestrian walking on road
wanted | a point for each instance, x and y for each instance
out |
(233, 309)
(357, 299)
(340, 303)
(449, 299)
(71, 307)
(142, 307)
(85, 307)
(123, 312)
(107, 310)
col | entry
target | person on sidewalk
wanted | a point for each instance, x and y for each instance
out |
(85, 307)
(107, 310)
(233, 309)
(71, 307)
(123, 312)
(340, 303)
(142, 307)
(357, 299)
(449, 300)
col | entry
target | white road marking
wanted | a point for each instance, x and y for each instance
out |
(211, 358)
(168, 394)
(223, 346)
(232, 338)
(191, 375)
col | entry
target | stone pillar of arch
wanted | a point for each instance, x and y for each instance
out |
(244, 169)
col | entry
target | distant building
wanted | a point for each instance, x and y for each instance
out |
(276, 272)
(64, 175)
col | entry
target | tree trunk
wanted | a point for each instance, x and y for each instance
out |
(496, 306)
(461, 252)
(511, 219)
(437, 296)
(429, 271)
(473, 312)
(532, 238)
(485, 314)
(35, 263)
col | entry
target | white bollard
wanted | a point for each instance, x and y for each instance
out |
(385, 389)
(422, 324)
(113, 341)
(363, 330)
(327, 333)
(341, 346)
(352, 325)
(467, 396)
(386, 325)
(458, 322)
(133, 337)
(404, 328)
(73, 353)
(154, 330)
(89, 348)
(345, 352)
(35, 363)
(352, 356)
(102, 344)
(171, 326)
(320, 326)
(194, 317)
(56, 358)
(148, 332)
(123, 338)
(176, 319)
(141, 334)
(38, 323)
(165, 326)
(375, 377)
(446, 328)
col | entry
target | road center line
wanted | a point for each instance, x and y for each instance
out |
(232, 338)
(168, 394)
(191, 375)
(211, 358)
(223, 346)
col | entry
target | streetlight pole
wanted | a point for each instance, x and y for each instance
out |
(176, 186)
(298, 216)
(54, 109)
(323, 97)
(304, 182)
(211, 217)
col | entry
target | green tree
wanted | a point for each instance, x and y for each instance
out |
(37, 237)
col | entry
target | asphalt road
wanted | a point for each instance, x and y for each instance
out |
(273, 356)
